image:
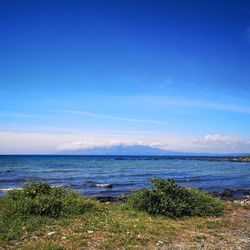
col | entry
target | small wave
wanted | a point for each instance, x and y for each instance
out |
(143, 175)
(10, 189)
(191, 180)
(61, 171)
(126, 184)
(20, 188)
(13, 180)
(105, 185)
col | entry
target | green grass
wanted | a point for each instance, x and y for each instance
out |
(38, 204)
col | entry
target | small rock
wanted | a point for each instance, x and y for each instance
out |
(51, 233)
(159, 243)
(227, 192)
(246, 216)
(202, 244)
(90, 231)
(106, 199)
(122, 199)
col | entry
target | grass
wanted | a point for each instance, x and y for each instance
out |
(107, 226)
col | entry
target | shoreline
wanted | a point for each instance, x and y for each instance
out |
(227, 194)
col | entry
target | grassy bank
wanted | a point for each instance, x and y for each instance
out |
(59, 219)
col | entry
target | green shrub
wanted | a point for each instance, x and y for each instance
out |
(168, 198)
(40, 199)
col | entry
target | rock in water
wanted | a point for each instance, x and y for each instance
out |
(227, 192)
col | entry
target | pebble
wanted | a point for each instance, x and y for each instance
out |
(90, 231)
(51, 233)
(202, 244)
(159, 243)
(243, 202)
(246, 216)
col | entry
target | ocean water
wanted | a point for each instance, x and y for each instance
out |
(125, 173)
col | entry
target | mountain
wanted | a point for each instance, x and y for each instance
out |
(140, 151)
(121, 150)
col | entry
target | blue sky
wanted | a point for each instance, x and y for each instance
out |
(170, 73)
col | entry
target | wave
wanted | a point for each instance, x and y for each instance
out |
(20, 188)
(191, 180)
(13, 180)
(10, 189)
(104, 185)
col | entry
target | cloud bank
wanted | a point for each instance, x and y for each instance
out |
(47, 143)
(222, 143)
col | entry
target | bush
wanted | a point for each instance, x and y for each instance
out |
(168, 198)
(40, 199)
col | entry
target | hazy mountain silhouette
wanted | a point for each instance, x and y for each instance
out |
(121, 150)
(137, 150)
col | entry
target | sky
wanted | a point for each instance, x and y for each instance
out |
(172, 74)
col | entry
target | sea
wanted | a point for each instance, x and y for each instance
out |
(116, 175)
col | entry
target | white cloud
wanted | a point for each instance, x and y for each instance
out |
(19, 143)
(218, 140)
(230, 144)
(45, 143)
(83, 145)
(109, 117)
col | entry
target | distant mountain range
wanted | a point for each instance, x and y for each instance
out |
(120, 150)
(135, 150)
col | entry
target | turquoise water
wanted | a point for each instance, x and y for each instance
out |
(126, 174)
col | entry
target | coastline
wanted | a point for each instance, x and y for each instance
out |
(241, 196)
(228, 195)
(113, 176)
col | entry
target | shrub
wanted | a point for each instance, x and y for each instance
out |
(168, 198)
(40, 199)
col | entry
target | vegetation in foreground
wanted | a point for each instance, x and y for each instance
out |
(170, 199)
(55, 218)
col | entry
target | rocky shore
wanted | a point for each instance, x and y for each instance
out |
(235, 196)
(241, 159)
(231, 195)
(199, 158)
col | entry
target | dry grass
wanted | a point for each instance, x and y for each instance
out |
(118, 226)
